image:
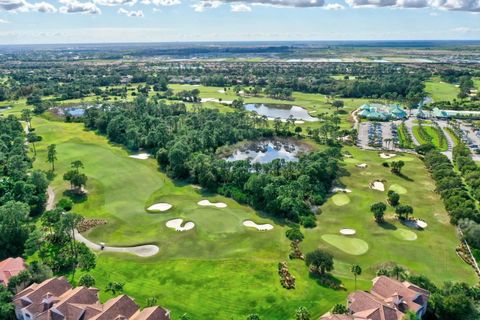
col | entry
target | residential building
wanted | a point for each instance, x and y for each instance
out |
(10, 267)
(388, 299)
(55, 299)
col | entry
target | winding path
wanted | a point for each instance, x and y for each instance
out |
(141, 251)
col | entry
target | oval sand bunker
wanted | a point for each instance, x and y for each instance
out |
(259, 227)
(177, 225)
(214, 204)
(159, 207)
(377, 185)
(348, 232)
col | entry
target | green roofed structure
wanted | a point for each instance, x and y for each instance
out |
(381, 112)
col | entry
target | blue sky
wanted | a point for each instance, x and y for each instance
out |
(74, 21)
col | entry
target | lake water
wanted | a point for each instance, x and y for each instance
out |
(280, 111)
(75, 112)
(267, 151)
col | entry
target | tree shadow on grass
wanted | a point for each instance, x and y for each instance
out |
(401, 175)
(75, 196)
(327, 280)
(387, 225)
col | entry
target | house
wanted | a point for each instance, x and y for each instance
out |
(55, 299)
(388, 299)
(10, 267)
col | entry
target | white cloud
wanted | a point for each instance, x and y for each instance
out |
(138, 14)
(11, 5)
(333, 6)
(43, 7)
(24, 6)
(3, 21)
(111, 3)
(207, 4)
(240, 7)
(163, 3)
(454, 5)
(74, 6)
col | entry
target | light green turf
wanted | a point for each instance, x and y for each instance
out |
(441, 91)
(353, 246)
(435, 134)
(340, 199)
(404, 234)
(398, 189)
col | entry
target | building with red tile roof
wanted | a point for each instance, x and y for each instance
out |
(10, 267)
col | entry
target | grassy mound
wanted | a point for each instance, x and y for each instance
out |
(404, 234)
(398, 189)
(353, 246)
(341, 199)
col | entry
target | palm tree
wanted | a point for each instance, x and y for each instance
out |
(356, 270)
(52, 155)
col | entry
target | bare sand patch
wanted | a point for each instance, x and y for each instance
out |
(177, 225)
(214, 204)
(344, 190)
(387, 155)
(348, 232)
(259, 227)
(415, 223)
(140, 156)
(362, 165)
(377, 185)
(159, 207)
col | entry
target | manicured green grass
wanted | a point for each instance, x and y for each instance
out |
(353, 246)
(340, 199)
(441, 91)
(404, 138)
(437, 137)
(222, 270)
(398, 189)
(404, 234)
(453, 135)
(432, 253)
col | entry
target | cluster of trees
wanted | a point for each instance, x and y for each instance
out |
(22, 190)
(185, 144)
(451, 188)
(468, 168)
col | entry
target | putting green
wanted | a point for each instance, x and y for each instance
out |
(404, 234)
(353, 246)
(398, 158)
(341, 199)
(398, 189)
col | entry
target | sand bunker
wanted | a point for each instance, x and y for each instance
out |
(214, 204)
(345, 190)
(159, 207)
(299, 122)
(362, 165)
(221, 91)
(348, 232)
(416, 224)
(377, 185)
(177, 225)
(340, 199)
(259, 227)
(140, 156)
(141, 251)
(387, 155)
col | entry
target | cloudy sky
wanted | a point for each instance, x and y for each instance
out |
(91, 21)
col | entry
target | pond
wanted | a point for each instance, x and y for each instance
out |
(265, 151)
(75, 112)
(281, 111)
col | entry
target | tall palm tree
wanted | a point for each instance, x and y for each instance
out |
(356, 270)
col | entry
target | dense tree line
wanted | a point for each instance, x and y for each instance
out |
(185, 144)
(22, 191)
(450, 186)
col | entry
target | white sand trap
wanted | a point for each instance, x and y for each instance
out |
(221, 91)
(377, 185)
(259, 227)
(159, 207)
(299, 122)
(141, 251)
(348, 232)
(214, 204)
(362, 165)
(345, 190)
(387, 155)
(416, 224)
(140, 156)
(349, 156)
(177, 225)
